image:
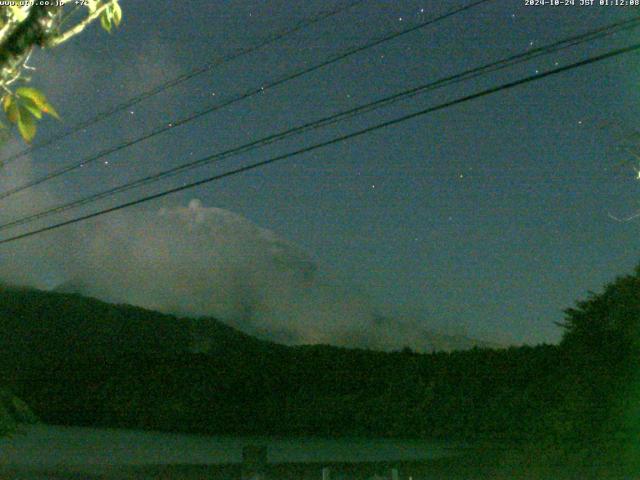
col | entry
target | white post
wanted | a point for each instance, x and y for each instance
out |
(326, 473)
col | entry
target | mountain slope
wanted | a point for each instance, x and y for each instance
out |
(80, 361)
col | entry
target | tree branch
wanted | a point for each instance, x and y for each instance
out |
(12, 22)
(34, 30)
(72, 32)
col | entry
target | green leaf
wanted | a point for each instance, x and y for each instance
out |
(13, 112)
(116, 14)
(112, 15)
(32, 93)
(105, 20)
(33, 96)
(32, 107)
(7, 100)
(26, 124)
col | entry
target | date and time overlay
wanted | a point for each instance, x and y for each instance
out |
(581, 3)
(527, 3)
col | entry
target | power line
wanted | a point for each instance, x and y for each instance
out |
(335, 140)
(591, 35)
(217, 106)
(331, 119)
(183, 78)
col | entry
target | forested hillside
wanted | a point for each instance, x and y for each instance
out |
(79, 361)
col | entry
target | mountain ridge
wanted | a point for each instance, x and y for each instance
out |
(81, 361)
(418, 337)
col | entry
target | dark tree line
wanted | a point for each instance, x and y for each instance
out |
(79, 361)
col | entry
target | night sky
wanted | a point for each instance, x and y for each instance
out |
(487, 218)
